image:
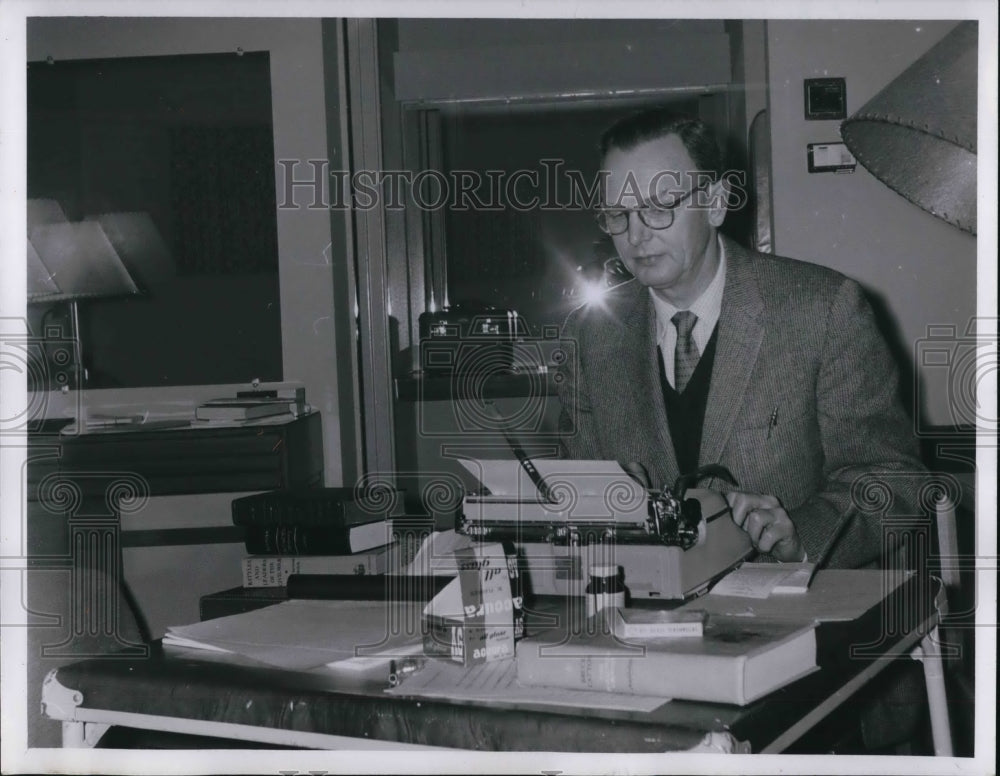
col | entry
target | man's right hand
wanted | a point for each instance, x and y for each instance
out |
(770, 528)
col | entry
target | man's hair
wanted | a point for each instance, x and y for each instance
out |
(654, 123)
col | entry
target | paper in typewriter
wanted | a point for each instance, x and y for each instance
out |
(585, 478)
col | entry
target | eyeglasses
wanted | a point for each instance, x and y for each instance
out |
(615, 220)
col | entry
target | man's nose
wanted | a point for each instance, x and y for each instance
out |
(638, 232)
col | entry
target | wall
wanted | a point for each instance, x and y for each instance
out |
(920, 268)
(299, 92)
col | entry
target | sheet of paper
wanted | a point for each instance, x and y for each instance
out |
(303, 634)
(591, 478)
(588, 478)
(753, 580)
(834, 595)
(504, 477)
(496, 683)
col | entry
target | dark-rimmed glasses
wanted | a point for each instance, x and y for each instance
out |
(614, 220)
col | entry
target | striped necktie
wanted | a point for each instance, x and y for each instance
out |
(686, 354)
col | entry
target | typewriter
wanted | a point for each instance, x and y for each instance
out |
(564, 516)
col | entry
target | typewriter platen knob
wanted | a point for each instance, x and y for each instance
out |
(676, 523)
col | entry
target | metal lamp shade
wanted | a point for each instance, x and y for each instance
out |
(918, 135)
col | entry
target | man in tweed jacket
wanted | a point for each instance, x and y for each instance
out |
(801, 391)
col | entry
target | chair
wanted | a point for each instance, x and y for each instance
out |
(958, 632)
(945, 652)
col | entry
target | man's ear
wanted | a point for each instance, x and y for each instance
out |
(718, 196)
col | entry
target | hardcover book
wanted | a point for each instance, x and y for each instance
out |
(737, 661)
(243, 409)
(294, 539)
(315, 507)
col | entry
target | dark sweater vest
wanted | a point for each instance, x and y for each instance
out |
(686, 411)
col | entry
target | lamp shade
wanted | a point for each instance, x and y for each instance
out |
(139, 245)
(918, 135)
(79, 262)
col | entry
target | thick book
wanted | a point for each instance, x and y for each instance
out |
(294, 539)
(274, 570)
(736, 661)
(315, 507)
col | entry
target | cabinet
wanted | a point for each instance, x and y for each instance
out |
(132, 528)
(259, 456)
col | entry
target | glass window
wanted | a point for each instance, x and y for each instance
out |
(173, 157)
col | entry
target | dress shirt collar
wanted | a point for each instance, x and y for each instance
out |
(707, 307)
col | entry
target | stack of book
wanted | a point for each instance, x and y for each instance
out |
(315, 531)
(253, 405)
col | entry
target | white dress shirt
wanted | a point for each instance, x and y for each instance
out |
(707, 307)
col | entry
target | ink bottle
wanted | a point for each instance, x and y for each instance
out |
(606, 589)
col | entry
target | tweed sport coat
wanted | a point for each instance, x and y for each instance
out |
(803, 401)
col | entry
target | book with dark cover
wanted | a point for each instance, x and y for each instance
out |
(315, 507)
(331, 539)
(737, 661)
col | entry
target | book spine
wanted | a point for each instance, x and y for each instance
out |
(277, 509)
(687, 677)
(274, 571)
(285, 539)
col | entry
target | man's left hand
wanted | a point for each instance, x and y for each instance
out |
(768, 524)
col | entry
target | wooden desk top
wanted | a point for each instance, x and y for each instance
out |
(194, 686)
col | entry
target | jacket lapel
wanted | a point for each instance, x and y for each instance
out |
(740, 332)
(648, 395)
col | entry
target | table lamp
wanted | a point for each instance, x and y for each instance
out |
(72, 262)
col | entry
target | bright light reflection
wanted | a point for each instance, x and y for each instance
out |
(592, 292)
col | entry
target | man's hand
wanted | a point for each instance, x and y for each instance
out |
(768, 524)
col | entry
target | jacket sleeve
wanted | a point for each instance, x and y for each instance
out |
(578, 434)
(871, 467)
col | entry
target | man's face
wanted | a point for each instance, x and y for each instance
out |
(680, 261)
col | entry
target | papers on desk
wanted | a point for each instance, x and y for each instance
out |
(496, 683)
(305, 634)
(760, 580)
(104, 424)
(834, 595)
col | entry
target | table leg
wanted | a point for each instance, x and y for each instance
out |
(928, 652)
(73, 736)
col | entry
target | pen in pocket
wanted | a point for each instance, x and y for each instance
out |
(772, 422)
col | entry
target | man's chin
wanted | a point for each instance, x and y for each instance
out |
(652, 278)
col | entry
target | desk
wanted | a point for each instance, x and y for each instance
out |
(186, 691)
